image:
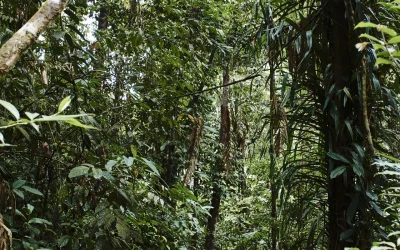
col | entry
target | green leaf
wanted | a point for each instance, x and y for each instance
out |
(63, 241)
(388, 31)
(358, 169)
(97, 173)
(39, 221)
(110, 164)
(371, 195)
(152, 166)
(10, 108)
(337, 171)
(379, 47)
(388, 157)
(19, 193)
(338, 157)
(35, 126)
(58, 34)
(77, 123)
(371, 38)
(128, 161)
(18, 183)
(309, 38)
(24, 133)
(394, 233)
(396, 53)
(351, 210)
(380, 60)
(64, 104)
(389, 173)
(32, 190)
(348, 125)
(133, 151)
(78, 171)
(360, 150)
(347, 92)
(365, 25)
(346, 234)
(382, 248)
(376, 208)
(31, 116)
(1, 138)
(394, 40)
(34, 229)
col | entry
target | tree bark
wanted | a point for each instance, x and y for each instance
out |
(193, 151)
(273, 126)
(338, 140)
(12, 50)
(224, 137)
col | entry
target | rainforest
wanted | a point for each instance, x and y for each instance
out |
(199, 124)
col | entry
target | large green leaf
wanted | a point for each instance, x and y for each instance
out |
(394, 40)
(380, 60)
(338, 157)
(32, 190)
(152, 166)
(78, 171)
(365, 25)
(337, 171)
(10, 108)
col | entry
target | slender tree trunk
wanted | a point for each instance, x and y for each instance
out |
(220, 165)
(193, 151)
(273, 126)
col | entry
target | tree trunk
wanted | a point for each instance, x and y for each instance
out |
(220, 165)
(338, 140)
(273, 126)
(12, 50)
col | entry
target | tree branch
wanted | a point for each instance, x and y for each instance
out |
(12, 50)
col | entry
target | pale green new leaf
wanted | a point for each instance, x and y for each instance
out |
(365, 25)
(77, 123)
(31, 116)
(394, 40)
(46, 118)
(110, 164)
(388, 31)
(64, 104)
(35, 126)
(10, 108)
(382, 61)
(378, 46)
(371, 38)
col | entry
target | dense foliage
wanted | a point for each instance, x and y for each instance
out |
(179, 124)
